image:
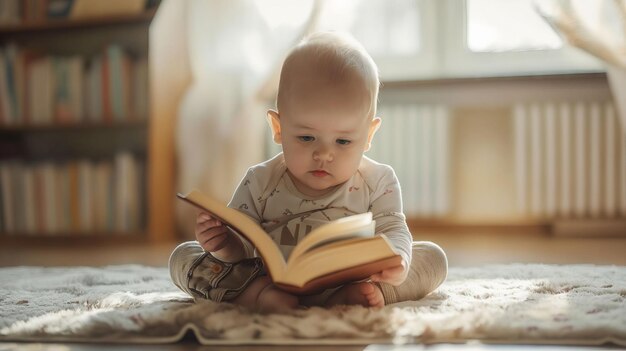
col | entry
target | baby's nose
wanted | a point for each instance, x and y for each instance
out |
(323, 154)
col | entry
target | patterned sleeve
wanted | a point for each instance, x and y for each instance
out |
(243, 201)
(386, 208)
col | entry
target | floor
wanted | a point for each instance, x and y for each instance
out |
(464, 246)
(193, 346)
(468, 246)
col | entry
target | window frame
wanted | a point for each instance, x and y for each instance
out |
(422, 64)
(445, 53)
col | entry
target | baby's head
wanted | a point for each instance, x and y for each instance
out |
(326, 108)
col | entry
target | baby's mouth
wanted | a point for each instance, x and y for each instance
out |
(319, 173)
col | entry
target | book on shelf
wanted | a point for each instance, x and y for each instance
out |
(38, 89)
(79, 196)
(93, 9)
(13, 12)
(338, 252)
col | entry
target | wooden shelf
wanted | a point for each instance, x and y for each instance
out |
(101, 238)
(82, 126)
(450, 81)
(421, 227)
(52, 25)
(149, 140)
(450, 223)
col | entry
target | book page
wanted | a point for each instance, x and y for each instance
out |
(360, 225)
(244, 225)
(337, 257)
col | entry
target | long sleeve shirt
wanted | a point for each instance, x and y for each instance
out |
(267, 194)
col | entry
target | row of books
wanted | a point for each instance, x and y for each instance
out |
(42, 89)
(13, 12)
(17, 11)
(75, 197)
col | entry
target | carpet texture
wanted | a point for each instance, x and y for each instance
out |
(516, 303)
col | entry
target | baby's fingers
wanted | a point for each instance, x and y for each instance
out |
(203, 217)
(202, 227)
(213, 239)
(207, 217)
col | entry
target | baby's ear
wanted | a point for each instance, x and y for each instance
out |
(374, 125)
(273, 118)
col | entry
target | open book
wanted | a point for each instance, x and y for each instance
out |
(333, 254)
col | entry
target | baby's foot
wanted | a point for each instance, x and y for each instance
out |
(263, 297)
(364, 294)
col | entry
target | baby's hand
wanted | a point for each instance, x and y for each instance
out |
(210, 232)
(393, 275)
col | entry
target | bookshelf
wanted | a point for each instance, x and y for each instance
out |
(76, 168)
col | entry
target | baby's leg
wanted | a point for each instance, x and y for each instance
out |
(261, 295)
(204, 277)
(428, 269)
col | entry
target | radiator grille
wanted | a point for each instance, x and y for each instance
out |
(570, 160)
(414, 139)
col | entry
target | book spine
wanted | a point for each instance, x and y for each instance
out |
(19, 69)
(77, 89)
(95, 91)
(29, 202)
(85, 196)
(4, 91)
(48, 86)
(50, 213)
(126, 91)
(7, 186)
(116, 88)
(105, 89)
(62, 203)
(40, 209)
(61, 91)
(20, 197)
(74, 197)
(141, 97)
(11, 85)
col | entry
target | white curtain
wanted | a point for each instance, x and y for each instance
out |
(617, 81)
(236, 48)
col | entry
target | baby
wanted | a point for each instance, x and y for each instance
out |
(325, 120)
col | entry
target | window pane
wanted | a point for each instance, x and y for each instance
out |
(507, 25)
(388, 27)
(385, 28)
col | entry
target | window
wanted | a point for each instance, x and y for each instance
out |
(513, 25)
(508, 37)
(417, 39)
(393, 32)
(413, 39)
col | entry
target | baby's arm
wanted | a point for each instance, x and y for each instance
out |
(386, 207)
(223, 242)
(215, 238)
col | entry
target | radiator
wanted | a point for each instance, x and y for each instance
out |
(570, 160)
(414, 139)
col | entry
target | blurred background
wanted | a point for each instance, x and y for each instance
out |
(505, 121)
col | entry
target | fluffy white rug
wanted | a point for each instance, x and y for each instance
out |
(574, 304)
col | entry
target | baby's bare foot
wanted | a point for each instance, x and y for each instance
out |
(262, 296)
(364, 294)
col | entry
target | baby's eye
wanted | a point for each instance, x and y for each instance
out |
(343, 141)
(306, 138)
